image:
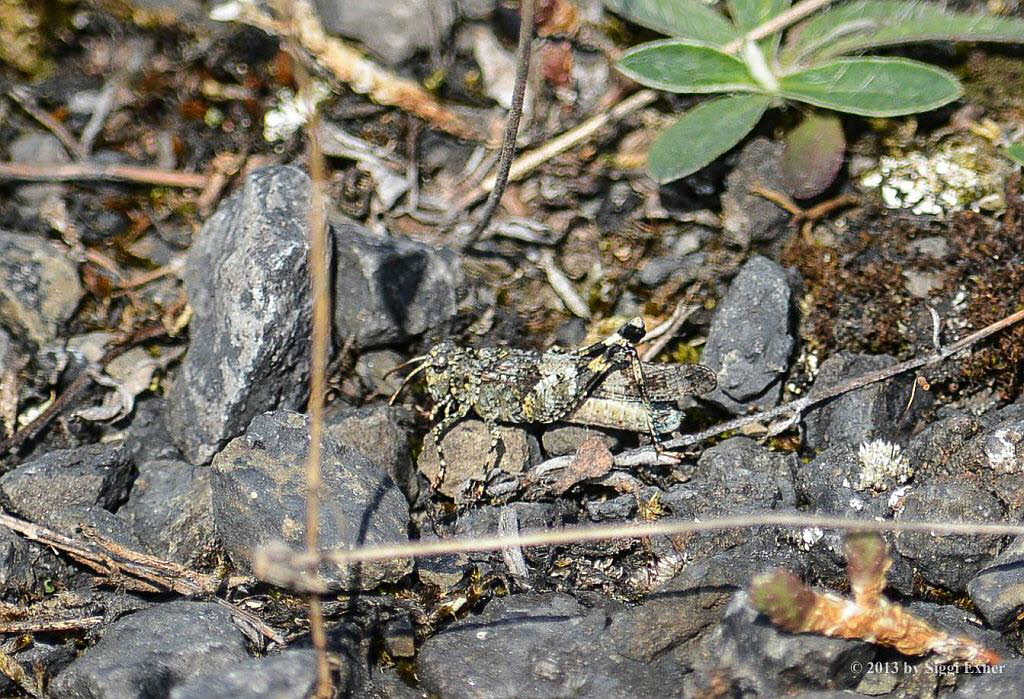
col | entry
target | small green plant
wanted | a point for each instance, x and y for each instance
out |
(1016, 153)
(710, 52)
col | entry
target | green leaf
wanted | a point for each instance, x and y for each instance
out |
(873, 86)
(748, 14)
(1016, 153)
(704, 133)
(685, 19)
(869, 24)
(679, 66)
(814, 153)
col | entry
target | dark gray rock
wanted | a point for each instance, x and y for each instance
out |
(994, 456)
(958, 622)
(38, 149)
(171, 511)
(759, 659)
(42, 653)
(148, 436)
(393, 30)
(750, 340)
(377, 432)
(287, 675)
(26, 568)
(932, 450)
(949, 562)
(477, 9)
(483, 521)
(388, 289)
(675, 618)
(874, 412)
(1004, 681)
(836, 484)
(749, 217)
(734, 477)
(399, 637)
(259, 495)
(39, 287)
(998, 590)
(388, 684)
(443, 572)
(614, 509)
(537, 645)
(248, 283)
(148, 653)
(97, 474)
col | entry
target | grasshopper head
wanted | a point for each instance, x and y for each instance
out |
(441, 363)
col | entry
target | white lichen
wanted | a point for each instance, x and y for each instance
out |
(293, 111)
(883, 465)
(808, 537)
(1003, 449)
(960, 172)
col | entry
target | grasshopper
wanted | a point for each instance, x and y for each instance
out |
(604, 384)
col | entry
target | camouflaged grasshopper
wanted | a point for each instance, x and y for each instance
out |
(603, 385)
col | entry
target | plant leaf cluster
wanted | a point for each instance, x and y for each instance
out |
(708, 53)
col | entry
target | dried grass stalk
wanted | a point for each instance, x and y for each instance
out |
(869, 616)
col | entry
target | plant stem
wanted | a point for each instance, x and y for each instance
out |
(777, 23)
(508, 145)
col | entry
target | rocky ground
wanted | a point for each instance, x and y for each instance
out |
(170, 437)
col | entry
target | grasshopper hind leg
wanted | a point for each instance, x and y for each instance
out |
(636, 367)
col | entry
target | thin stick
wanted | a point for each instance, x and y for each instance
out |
(508, 144)
(530, 160)
(24, 100)
(667, 527)
(50, 625)
(104, 104)
(317, 372)
(663, 334)
(777, 23)
(562, 286)
(87, 171)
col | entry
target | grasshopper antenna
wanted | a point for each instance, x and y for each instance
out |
(422, 359)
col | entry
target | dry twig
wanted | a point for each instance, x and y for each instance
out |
(24, 99)
(133, 570)
(347, 64)
(794, 409)
(530, 160)
(87, 171)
